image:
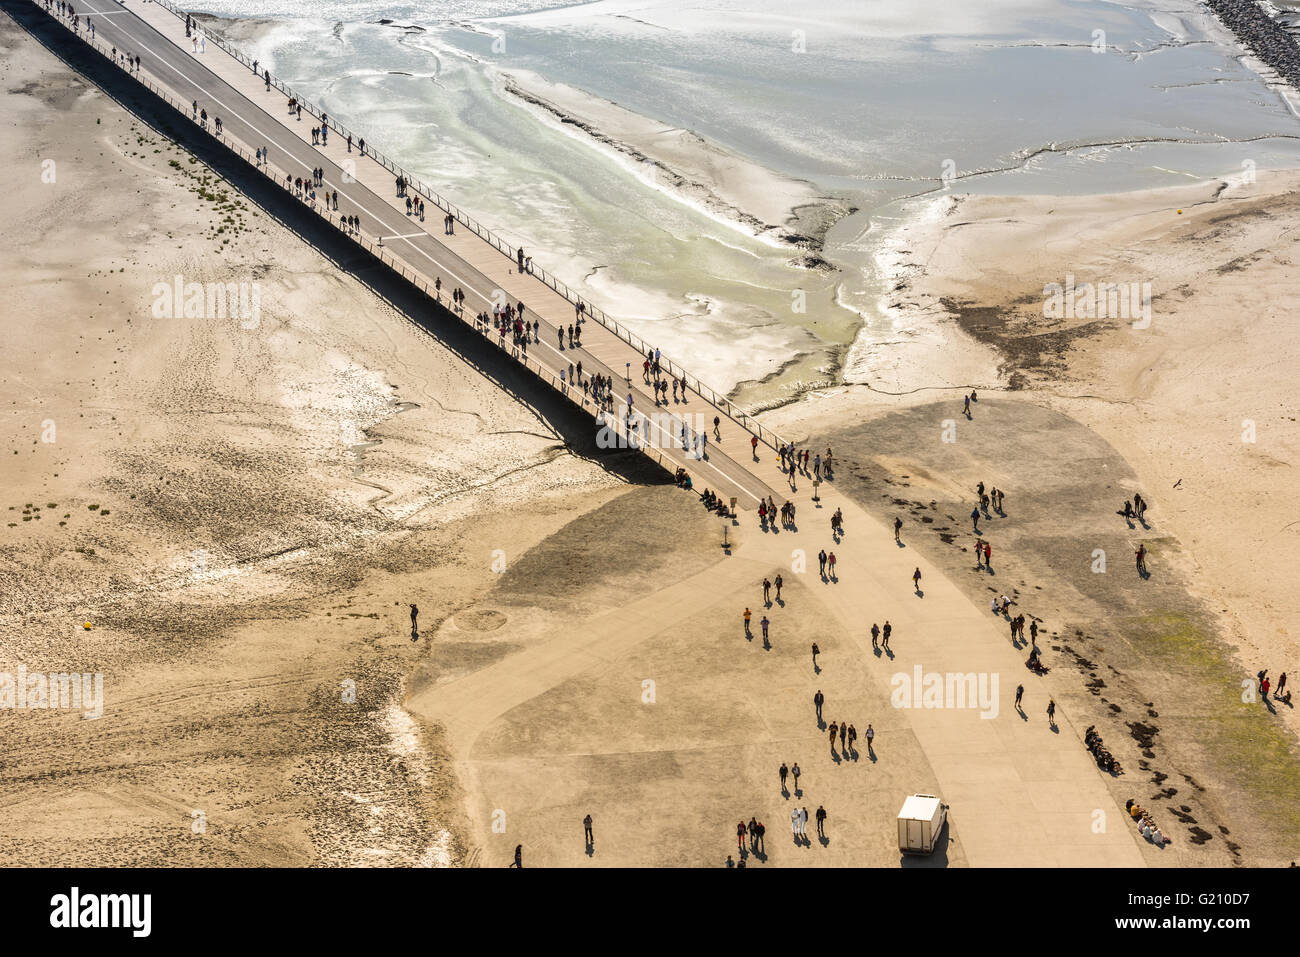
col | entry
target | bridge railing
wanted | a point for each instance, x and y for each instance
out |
(574, 394)
(715, 398)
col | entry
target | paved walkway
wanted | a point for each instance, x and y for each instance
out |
(255, 117)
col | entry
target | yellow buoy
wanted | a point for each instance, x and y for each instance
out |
(86, 626)
(1180, 212)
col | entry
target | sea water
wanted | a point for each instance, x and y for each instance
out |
(878, 107)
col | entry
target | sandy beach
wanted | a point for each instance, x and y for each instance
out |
(228, 518)
(242, 516)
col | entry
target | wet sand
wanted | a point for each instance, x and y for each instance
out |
(241, 514)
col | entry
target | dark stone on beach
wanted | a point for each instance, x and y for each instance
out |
(1265, 37)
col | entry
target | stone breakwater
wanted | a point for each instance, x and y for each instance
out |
(1265, 37)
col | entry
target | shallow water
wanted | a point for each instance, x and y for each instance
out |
(881, 102)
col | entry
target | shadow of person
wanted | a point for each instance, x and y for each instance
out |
(823, 840)
(835, 578)
(853, 753)
(591, 849)
(871, 754)
(900, 544)
(767, 645)
(875, 650)
(920, 593)
(835, 755)
(1021, 711)
(817, 669)
(785, 792)
(890, 652)
(1052, 726)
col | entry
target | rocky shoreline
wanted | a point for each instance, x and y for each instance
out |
(1264, 36)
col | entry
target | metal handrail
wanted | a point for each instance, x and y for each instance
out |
(745, 418)
(569, 392)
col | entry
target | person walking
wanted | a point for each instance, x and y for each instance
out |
(767, 590)
(844, 735)
(916, 580)
(1281, 685)
(870, 735)
(794, 823)
(519, 857)
(830, 562)
(778, 584)
(835, 731)
(748, 614)
(586, 831)
(818, 700)
(898, 528)
(794, 773)
(816, 651)
(975, 519)
(740, 837)
(821, 822)
(875, 636)
(1142, 559)
(415, 613)
(760, 830)
(764, 623)
(988, 556)
(1051, 712)
(753, 445)
(885, 633)
(784, 772)
(1020, 693)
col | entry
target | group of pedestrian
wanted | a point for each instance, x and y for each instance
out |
(796, 460)
(1135, 508)
(768, 511)
(1279, 692)
(826, 565)
(993, 498)
(754, 831)
(848, 736)
(880, 636)
(127, 61)
(768, 585)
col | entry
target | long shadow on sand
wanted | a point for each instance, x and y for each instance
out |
(576, 428)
